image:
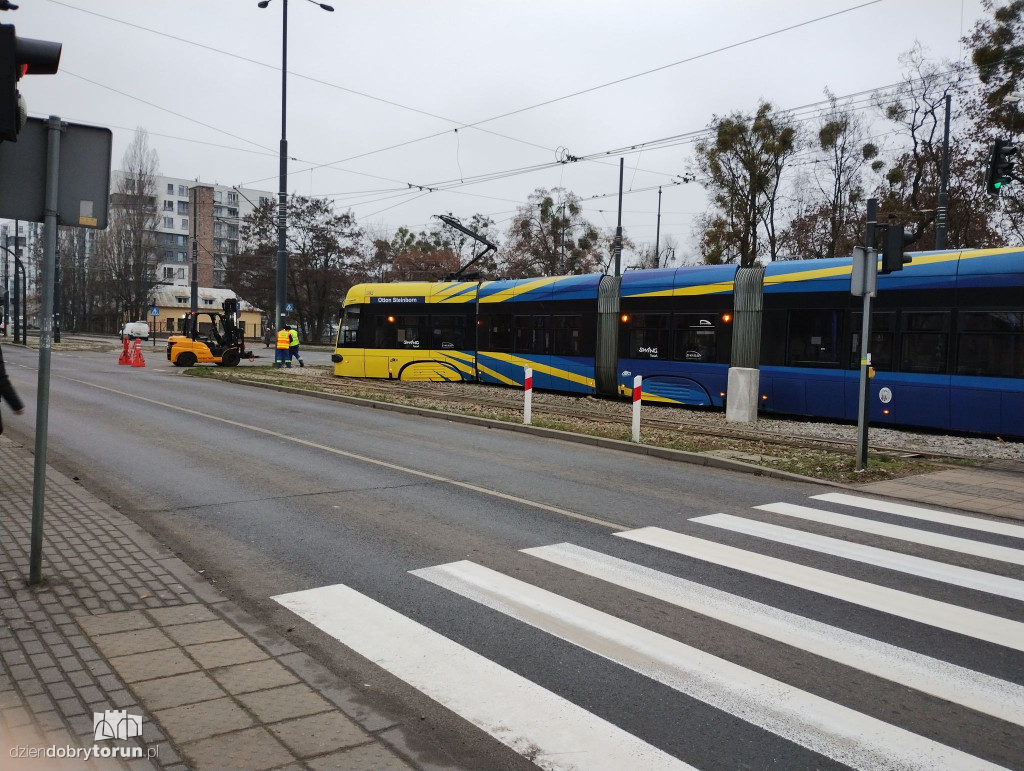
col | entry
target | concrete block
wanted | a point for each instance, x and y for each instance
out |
(741, 404)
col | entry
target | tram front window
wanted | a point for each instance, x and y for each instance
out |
(349, 332)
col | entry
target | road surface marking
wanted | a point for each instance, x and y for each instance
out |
(974, 690)
(552, 732)
(365, 459)
(871, 555)
(930, 515)
(830, 729)
(953, 618)
(899, 532)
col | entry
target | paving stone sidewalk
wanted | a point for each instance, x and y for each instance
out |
(120, 623)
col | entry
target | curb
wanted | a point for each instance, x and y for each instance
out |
(665, 453)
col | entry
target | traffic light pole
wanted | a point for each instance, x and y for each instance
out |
(865, 338)
(45, 342)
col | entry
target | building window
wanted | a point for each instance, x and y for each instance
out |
(168, 272)
(184, 224)
(181, 273)
(264, 200)
(182, 207)
(181, 300)
(217, 196)
(168, 205)
(180, 256)
(181, 240)
(168, 222)
(170, 189)
(182, 191)
(232, 196)
(207, 301)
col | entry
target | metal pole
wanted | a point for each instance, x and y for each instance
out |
(282, 187)
(7, 281)
(618, 227)
(24, 305)
(941, 213)
(45, 333)
(657, 235)
(561, 267)
(863, 414)
(56, 300)
(17, 299)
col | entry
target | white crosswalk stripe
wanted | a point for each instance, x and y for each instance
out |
(923, 673)
(929, 515)
(904, 563)
(556, 733)
(973, 623)
(828, 728)
(553, 732)
(909, 534)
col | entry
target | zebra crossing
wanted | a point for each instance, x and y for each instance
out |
(556, 733)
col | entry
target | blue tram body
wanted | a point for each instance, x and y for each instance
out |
(947, 336)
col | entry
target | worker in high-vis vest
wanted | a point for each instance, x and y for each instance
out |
(293, 341)
(284, 342)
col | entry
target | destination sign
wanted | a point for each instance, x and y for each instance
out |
(395, 300)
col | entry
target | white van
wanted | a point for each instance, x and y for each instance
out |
(135, 329)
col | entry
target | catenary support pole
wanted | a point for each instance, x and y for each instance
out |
(618, 227)
(282, 186)
(657, 235)
(863, 409)
(45, 341)
(942, 210)
(527, 396)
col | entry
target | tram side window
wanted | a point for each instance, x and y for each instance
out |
(925, 340)
(401, 331)
(496, 332)
(883, 329)
(348, 336)
(532, 334)
(448, 332)
(813, 338)
(647, 336)
(695, 337)
(990, 343)
(567, 336)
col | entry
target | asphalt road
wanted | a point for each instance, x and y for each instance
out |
(278, 496)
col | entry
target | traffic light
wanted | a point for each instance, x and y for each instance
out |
(1000, 166)
(20, 56)
(893, 240)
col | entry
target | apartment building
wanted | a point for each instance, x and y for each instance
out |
(219, 211)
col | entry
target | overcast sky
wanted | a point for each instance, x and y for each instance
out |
(462, 62)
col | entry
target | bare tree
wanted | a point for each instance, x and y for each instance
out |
(742, 164)
(127, 247)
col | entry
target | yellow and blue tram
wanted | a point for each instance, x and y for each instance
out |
(947, 336)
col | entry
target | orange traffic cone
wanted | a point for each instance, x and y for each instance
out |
(125, 356)
(137, 360)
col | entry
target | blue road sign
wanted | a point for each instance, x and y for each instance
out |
(154, 311)
(288, 307)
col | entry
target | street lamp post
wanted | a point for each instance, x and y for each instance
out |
(282, 187)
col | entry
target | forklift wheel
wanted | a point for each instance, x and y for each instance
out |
(230, 358)
(186, 359)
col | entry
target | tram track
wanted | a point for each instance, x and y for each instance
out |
(399, 389)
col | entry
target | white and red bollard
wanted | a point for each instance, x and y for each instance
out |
(636, 407)
(527, 396)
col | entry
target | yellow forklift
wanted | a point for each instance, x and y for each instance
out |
(218, 340)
